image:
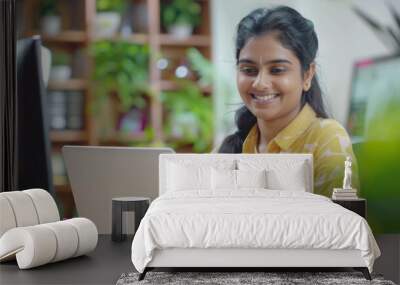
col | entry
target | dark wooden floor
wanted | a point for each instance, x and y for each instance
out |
(102, 266)
(388, 264)
(110, 260)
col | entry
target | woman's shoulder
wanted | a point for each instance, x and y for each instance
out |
(322, 125)
(328, 130)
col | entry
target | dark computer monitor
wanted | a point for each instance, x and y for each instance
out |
(375, 85)
(33, 147)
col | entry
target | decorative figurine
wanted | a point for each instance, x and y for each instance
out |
(347, 174)
(347, 192)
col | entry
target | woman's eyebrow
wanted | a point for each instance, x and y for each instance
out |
(245, 60)
(273, 61)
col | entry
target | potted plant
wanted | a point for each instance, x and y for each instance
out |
(50, 23)
(181, 16)
(190, 117)
(121, 70)
(108, 17)
(60, 68)
(190, 113)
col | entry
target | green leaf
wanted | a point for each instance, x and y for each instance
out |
(110, 5)
(121, 67)
(181, 11)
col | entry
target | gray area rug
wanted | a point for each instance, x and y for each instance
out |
(226, 278)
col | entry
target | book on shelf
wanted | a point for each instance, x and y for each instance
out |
(66, 110)
(75, 110)
(57, 110)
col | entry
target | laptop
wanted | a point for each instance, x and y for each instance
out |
(97, 174)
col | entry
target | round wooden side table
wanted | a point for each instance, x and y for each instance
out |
(139, 205)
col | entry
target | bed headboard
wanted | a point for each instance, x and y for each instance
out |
(238, 161)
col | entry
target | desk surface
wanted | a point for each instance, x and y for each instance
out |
(102, 266)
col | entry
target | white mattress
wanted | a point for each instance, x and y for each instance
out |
(250, 218)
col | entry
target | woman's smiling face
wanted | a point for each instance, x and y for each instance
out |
(270, 79)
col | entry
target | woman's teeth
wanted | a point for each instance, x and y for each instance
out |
(264, 98)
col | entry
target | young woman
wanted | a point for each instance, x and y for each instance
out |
(283, 110)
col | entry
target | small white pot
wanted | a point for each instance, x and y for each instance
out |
(107, 24)
(60, 72)
(50, 25)
(184, 123)
(180, 31)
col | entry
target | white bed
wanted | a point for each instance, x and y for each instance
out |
(214, 211)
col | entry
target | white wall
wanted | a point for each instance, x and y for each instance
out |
(343, 38)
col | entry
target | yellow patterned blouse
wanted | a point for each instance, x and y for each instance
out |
(326, 139)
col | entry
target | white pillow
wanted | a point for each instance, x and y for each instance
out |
(182, 177)
(227, 179)
(282, 174)
(251, 178)
(293, 179)
(223, 179)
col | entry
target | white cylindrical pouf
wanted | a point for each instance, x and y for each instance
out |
(23, 208)
(7, 218)
(45, 205)
(87, 234)
(40, 244)
(34, 246)
(67, 239)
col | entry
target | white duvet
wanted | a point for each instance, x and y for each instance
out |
(250, 219)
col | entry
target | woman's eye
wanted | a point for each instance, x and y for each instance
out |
(277, 70)
(248, 70)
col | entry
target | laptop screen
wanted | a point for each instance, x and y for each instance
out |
(99, 174)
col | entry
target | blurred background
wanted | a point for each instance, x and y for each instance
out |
(162, 73)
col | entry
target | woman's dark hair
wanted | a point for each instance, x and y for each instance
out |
(295, 33)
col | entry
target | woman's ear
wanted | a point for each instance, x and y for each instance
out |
(308, 76)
